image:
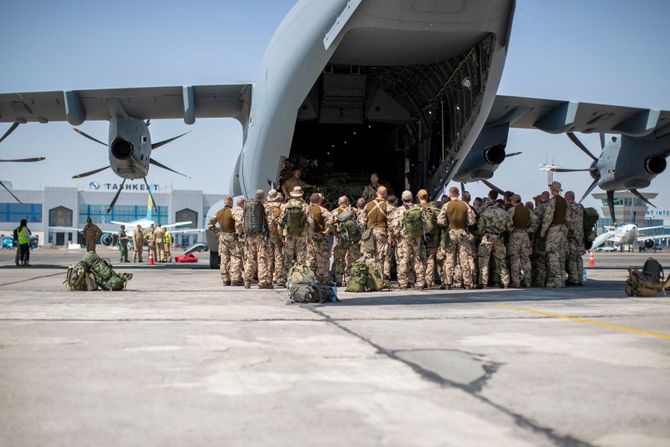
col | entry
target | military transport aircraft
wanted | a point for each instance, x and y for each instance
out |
(405, 88)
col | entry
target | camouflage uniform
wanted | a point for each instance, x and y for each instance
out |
(375, 218)
(432, 244)
(576, 249)
(151, 242)
(344, 253)
(369, 192)
(539, 258)
(318, 252)
(91, 234)
(410, 252)
(519, 248)
(493, 222)
(275, 243)
(228, 231)
(159, 232)
(295, 246)
(255, 255)
(138, 244)
(556, 233)
(238, 214)
(458, 216)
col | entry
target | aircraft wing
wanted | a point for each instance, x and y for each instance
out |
(657, 236)
(77, 106)
(178, 224)
(651, 228)
(188, 230)
(600, 240)
(79, 230)
(557, 116)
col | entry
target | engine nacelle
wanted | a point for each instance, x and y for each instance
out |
(649, 244)
(106, 239)
(655, 165)
(129, 147)
(495, 155)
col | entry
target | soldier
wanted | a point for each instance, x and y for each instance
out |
(472, 237)
(91, 234)
(370, 190)
(151, 242)
(407, 230)
(457, 216)
(238, 212)
(255, 242)
(539, 259)
(167, 242)
(297, 224)
(493, 222)
(576, 248)
(294, 181)
(275, 239)
(318, 252)
(346, 249)
(441, 255)
(431, 240)
(518, 247)
(374, 223)
(556, 232)
(159, 233)
(123, 244)
(138, 243)
(228, 231)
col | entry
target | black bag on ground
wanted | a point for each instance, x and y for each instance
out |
(311, 292)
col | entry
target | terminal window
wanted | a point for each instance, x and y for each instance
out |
(121, 213)
(14, 212)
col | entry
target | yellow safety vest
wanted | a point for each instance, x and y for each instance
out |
(24, 237)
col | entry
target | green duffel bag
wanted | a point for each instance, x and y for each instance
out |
(79, 278)
(300, 273)
(375, 275)
(103, 273)
(313, 292)
(358, 277)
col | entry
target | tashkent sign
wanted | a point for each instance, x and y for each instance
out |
(139, 187)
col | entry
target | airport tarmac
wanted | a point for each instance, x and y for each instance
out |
(179, 360)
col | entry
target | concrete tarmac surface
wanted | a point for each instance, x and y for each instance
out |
(179, 360)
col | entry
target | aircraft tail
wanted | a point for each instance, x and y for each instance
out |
(150, 209)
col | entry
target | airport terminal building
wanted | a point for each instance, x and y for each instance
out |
(70, 206)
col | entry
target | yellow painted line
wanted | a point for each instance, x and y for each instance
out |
(614, 327)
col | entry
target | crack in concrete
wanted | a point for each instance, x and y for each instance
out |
(30, 279)
(473, 389)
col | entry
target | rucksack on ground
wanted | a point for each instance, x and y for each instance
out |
(104, 275)
(294, 219)
(79, 278)
(639, 284)
(350, 230)
(430, 220)
(254, 218)
(413, 220)
(653, 270)
(311, 292)
(300, 273)
(365, 275)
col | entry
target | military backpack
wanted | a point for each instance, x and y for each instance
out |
(350, 230)
(79, 278)
(294, 219)
(590, 220)
(365, 276)
(254, 218)
(300, 273)
(311, 292)
(430, 221)
(414, 223)
(103, 273)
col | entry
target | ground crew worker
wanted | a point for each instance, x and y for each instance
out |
(159, 232)
(91, 234)
(539, 258)
(294, 181)
(275, 242)
(374, 223)
(555, 230)
(151, 242)
(345, 250)
(138, 243)
(457, 215)
(255, 242)
(369, 191)
(408, 234)
(123, 244)
(228, 230)
(575, 249)
(518, 248)
(167, 242)
(23, 236)
(493, 222)
(318, 252)
(297, 225)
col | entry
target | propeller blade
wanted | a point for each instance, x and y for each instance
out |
(116, 197)
(164, 142)
(492, 186)
(637, 194)
(153, 202)
(23, 160)
(161, 165)
(513, 154)
(590, 188)
(602, 140)
(86, 174)
(580, 145)
(569, 170)
(85, 135)
(11, 129)
(610, 205)
(10, 193)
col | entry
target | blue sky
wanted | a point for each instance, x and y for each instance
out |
(608, 52)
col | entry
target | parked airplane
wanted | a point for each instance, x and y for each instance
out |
(416, 81)
(628, 234)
